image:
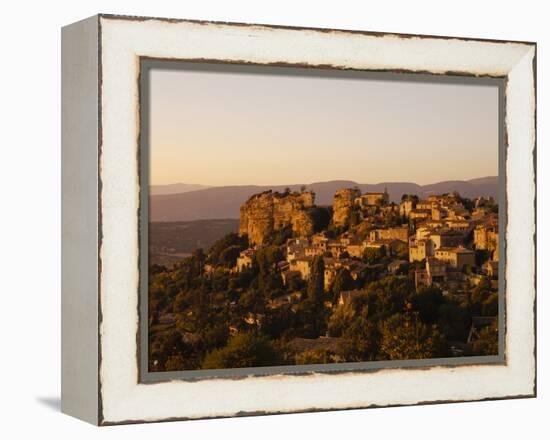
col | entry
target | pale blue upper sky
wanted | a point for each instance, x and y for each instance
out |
(217, 128)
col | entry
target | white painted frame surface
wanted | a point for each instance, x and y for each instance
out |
(122, 42)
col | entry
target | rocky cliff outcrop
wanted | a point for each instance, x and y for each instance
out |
(268, 212)
(342, 204)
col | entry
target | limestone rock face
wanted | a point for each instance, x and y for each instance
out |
(269, 212)
(343, 202)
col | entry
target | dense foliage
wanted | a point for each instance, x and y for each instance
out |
(225, 320)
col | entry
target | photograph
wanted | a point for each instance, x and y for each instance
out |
(312, 216)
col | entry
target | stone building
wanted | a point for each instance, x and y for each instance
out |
(423, 232)
(336, 248)
(296, 248)
(459, 225)
(420, 250)
(332, 266)
(486, 237)
(245, 259)
(355, 250)
(421, 214)
(437, 272)
(313, 251)
(425, 205)
(396, 266)
(438, 213)
(373, 199)
(387, 245)
(446, 238)
(356, 269)
(457, 257)
(406, 206)
(458, 213)
(400, 233)
(303, 266)
(320, 241)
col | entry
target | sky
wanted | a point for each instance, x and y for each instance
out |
(233, 127)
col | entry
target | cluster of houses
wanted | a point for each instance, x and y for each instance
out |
(345, 251)
(436, 239)
(439, 232)
(447, 237)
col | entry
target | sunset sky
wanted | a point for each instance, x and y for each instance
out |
(232, 128)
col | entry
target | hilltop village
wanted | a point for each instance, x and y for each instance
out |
(363, 279)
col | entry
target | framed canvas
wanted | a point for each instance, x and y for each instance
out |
(265, 219)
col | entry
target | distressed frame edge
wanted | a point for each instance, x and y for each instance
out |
(104, 422)
(142, 18)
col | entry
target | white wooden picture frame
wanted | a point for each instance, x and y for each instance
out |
(101, 59)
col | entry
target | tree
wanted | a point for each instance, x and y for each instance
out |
(341, 318)
(412, 197)
(389, 296)
(269, 256)
(392, 219)
(360, 340)
(373, 255)
(269, 278)
(281, 236)
(203, 307)
(214, 335)
(320, 216)
(309, 357)
(181, 302)
(343, 281)
(479, 295)
(156, 268)
(316, 282)
(277, 322)
(401, 251)
(174, 363)
(427, 302)
(454, 321)
(481, 255)
(228, 257)
(229, 240)
(243, 350)
(487, 342)
(253, 300)
(190, 270)
(354, 216)
(489, 307)
(406, 337)
(171, 349)
(314, 313)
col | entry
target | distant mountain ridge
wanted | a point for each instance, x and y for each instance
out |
(175, 188)
(224, 202)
